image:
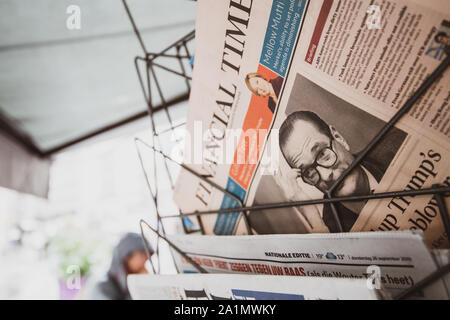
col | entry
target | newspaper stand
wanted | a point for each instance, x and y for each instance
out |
(150, 60)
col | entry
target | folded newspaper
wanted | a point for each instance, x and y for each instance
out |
(285, 95)
(392, 261)
(242, 287)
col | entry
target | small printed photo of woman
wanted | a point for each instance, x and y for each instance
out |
(444, 39)
(262, 87)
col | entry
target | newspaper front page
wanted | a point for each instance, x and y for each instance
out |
(301, 87)
(243, 287)
(393, 261)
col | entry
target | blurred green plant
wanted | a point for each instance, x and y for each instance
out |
(71, 251)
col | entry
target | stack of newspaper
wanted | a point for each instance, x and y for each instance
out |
(241, 287)
(368, 265)
(285, 94)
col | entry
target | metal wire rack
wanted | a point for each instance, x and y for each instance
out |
(181, 53)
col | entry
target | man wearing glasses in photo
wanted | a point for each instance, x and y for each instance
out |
(319, 154)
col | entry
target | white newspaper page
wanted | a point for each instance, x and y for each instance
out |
(244, 287)
(302, 87)
(393, 261)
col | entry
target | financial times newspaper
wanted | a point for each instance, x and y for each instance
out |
(301, 87)
(243, 287)
(393, 261)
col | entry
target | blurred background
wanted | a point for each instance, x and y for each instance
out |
(71, 106)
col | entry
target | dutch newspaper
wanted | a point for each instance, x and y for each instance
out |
(243, 287)
(285, 95)
(393, 261)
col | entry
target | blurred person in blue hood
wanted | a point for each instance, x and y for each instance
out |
(129, 257)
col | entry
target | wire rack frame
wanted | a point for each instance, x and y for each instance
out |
(145, 66)
(440, 192)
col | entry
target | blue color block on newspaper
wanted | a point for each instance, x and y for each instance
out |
(226, 223)
(261, 295)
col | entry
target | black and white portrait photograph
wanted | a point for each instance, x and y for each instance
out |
(320, 135)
